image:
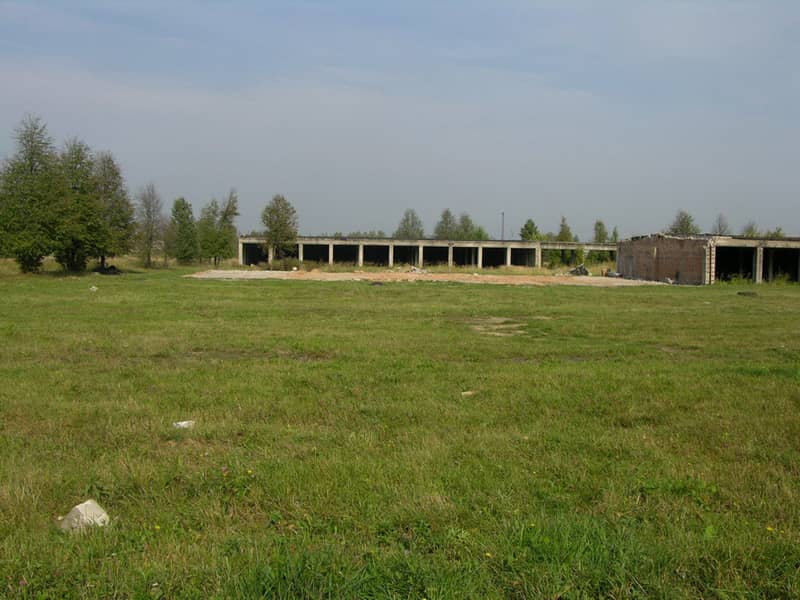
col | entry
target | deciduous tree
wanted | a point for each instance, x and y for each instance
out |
(530, 232)
(280, 225)
(148, 210)
(80, 231)
(117, 211)
(447, 227)
(751, 230)
(410, 226)
(600, 232)
(468, 230)
(683, 225)
(721, 226)
(30, 183)
(183, 231)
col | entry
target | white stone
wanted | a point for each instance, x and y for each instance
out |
(183, 424)
(87, 514)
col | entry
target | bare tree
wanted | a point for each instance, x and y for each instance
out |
(721, 226)
(148, 213)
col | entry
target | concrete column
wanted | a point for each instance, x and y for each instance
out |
(711, 259)
(449, 257)
(270, 254)
(391, 255)
(361, 255)
(420, 257)
(508, 257)
(758, 268)
(330, 254)
(480, 257)
(300, 251)
(241, 252)
(538, 251)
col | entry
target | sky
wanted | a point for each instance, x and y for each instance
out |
(355, 110)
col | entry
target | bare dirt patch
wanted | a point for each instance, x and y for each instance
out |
(497, 326)
(389, 276)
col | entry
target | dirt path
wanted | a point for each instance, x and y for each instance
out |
(412, 276)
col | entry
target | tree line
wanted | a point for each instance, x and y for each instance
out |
(685, 225)
(72, 203)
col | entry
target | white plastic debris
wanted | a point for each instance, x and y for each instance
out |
(468, 393)
(294, 268)
(93, 288)
(183, 424)
(87, 514)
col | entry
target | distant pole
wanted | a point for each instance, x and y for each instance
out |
(502, 225)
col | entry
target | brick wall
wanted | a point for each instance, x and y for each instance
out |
(657, 257)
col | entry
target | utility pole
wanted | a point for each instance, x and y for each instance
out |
(502, 225)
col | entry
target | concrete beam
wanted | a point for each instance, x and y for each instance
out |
(480, 257)
(391, 255)
(300, 251)
(449, 257)
(508, 256)
(241, 252)
(330, 253)
(361, 255)
(420, 255)
(538, 261)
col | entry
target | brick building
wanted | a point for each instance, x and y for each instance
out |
(704, 259)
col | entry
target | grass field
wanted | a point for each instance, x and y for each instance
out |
(633, 442)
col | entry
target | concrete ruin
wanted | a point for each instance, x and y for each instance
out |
(705, 259)
(389, 251)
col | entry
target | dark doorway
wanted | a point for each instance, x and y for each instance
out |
(734, 263)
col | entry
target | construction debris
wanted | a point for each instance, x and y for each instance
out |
(183, 424)
(87, 514)
(580, 270)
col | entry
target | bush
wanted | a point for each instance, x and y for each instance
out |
(284, 264)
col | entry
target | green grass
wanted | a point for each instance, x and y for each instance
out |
(632, 442)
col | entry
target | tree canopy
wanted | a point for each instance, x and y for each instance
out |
(148, 210)
(468, 230)
(600, 232)
(530, 232)
(216, 232)
(721, 226)
(683, 225)
(184, 231)
(117, 210)
(447, 227)
(30, 183)
(280, 225)
(70, 203)
(410, 226)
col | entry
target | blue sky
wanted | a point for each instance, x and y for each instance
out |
(356, 110)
